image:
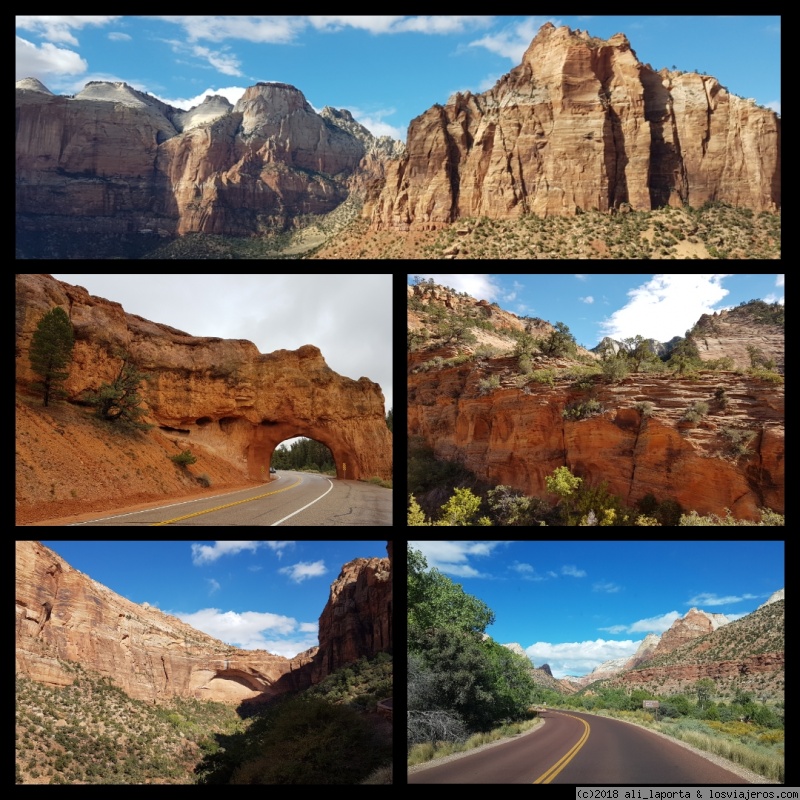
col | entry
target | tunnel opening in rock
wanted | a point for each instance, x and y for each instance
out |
(326, 451)
(232, 684)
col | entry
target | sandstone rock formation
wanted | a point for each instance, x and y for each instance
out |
(582, 124)
(357, 620)
(691, 626)
(774, 597)
(516, 434)
(115, 160)
(222, 393)
(64, 615)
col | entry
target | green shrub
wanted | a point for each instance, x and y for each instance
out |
(183, 459)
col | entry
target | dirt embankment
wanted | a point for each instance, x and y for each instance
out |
(68, 462)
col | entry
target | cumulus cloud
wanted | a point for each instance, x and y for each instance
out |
(116, 36)
(46, 60)
(570, 569)
(230, 93)
(272, 30)
(650, 625)
(254, 630)
(206, 554)
(578, 658)
(666, 306)
(373, 121)
(481, 287)
(589, 299)
(779, 280)
(513, 40)
(59, 28)
(452, 557)
(226, 63)
(304, 570)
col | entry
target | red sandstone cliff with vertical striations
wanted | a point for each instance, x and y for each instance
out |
(582, 124)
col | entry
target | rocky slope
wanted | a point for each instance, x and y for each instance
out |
(692, 625)
(221, 393)
(515, 433)
(747, 653)
(113, 160)
(64, 615)
(582, 124)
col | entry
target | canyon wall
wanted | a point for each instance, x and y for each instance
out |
(582, 124)
(516, 435)
(221, 393)
(113, 160)
(64, 615)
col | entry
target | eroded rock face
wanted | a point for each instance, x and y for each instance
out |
(719, 670)
(116, 160)
(582, 124)
(62, 614)
(222, 393)
(691, 626)
(357, 620)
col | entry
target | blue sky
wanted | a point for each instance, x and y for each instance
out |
(254, 595)
(385, 69)
(576, 604)
(592, 306)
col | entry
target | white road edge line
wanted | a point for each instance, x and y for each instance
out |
(303, 508)
(158, 508)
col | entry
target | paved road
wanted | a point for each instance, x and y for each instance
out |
(295, 499)
(581, 749)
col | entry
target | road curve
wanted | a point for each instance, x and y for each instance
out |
(294, 499)
(582, 749)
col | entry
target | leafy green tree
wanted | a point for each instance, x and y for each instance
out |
(416, 516)
(434, 601)
(638, 351)
(560, 342)
(461, 510)
(389, 420)
(51, 352)
(184, 459)
(119, 401)
(704, 688)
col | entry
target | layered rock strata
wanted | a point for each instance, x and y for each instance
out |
(691, 626)
(221, 393)
(63, 615)
(582, 124)
(116, 160)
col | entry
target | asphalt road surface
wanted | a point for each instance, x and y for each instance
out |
(295, 499)
(581, 749)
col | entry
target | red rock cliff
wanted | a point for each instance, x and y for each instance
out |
(62, 614)
(582, 124)
(222, 393)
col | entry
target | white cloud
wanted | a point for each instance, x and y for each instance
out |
(779, 280)
(116, 36)
(570, 569)
(582, 277)
(649, 625)
(588, 299)
(272, 30)
(609, 588)
(666, 306)
(514, 40)
(230, 93)
(46, 60)
(214, 585)
(205, 554)
(373, 122)
(775, 105)
(253, 630)
(279, 547)
(226, 63)
(481, 287)
(578, 658)
(59, 28)
(303, 570)
(521, 568)
(710, 599)
(452, 557)
(400, 24)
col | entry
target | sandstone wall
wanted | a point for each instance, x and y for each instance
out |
(222, 392)
(582, 124)
(515, 437)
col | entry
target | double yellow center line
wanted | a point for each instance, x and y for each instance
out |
(227, 505)
(548, 776)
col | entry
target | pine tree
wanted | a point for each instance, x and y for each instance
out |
(51, 351)
(120, 401)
